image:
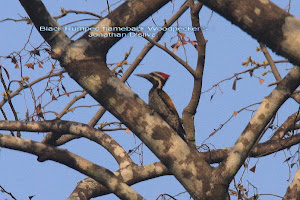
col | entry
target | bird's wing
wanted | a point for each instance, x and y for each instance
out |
(168, 101)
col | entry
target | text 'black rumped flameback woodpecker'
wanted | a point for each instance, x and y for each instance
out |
(161, 103)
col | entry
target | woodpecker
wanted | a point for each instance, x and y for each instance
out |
(161, 103)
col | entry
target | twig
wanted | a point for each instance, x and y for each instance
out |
(65, 12)
(9, 193)
(108, 6)
(9, 99)
(275, 72)
(173, 55)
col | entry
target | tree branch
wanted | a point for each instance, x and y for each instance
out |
(288, 125)
(274, 69)
(236, 157)
(82, 130)
(173, 55)
(45, 152)
(89, 188)
(190, 110)
(260, 150)
(293, 191)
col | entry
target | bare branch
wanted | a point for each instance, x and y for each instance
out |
(9, 99)
(89, 188)
(274, 69)
(65, 12)
(173, 55)
(288, 125)
(236, 75)
(46, 152)
(257, 124)
(22, 87)
(9, 193)
(190, 110)
(78, 129)
(260, 150)
(51, 138)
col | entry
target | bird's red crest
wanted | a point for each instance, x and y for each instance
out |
(166, 76)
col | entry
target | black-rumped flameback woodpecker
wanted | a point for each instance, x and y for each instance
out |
(161, 103)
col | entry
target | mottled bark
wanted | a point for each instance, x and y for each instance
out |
(293, 191)
(63, 156)
(89, 188)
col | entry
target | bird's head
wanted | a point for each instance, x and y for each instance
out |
(158, 79)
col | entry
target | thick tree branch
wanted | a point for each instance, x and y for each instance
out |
(89, 188)
(129, 14)
(236, 157)
(264, 21)
(66, 127)
(51, 138)
(100, 174)
(293, 191)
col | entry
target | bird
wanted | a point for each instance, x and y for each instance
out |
(161, 103)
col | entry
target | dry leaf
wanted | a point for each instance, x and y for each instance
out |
(264, 73)
(29, 65)
(71, 110)
(214, 132)
(175, 46)
(235, 113)
(127, 131)
(261, 81)
(39, 112)
(25, 78)
(251, 73)
(253, 169)
(234, 84)
(14, 60)
(53, 98)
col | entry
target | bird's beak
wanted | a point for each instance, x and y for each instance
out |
(142, 75)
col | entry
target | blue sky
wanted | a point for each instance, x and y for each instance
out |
(227, 48)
